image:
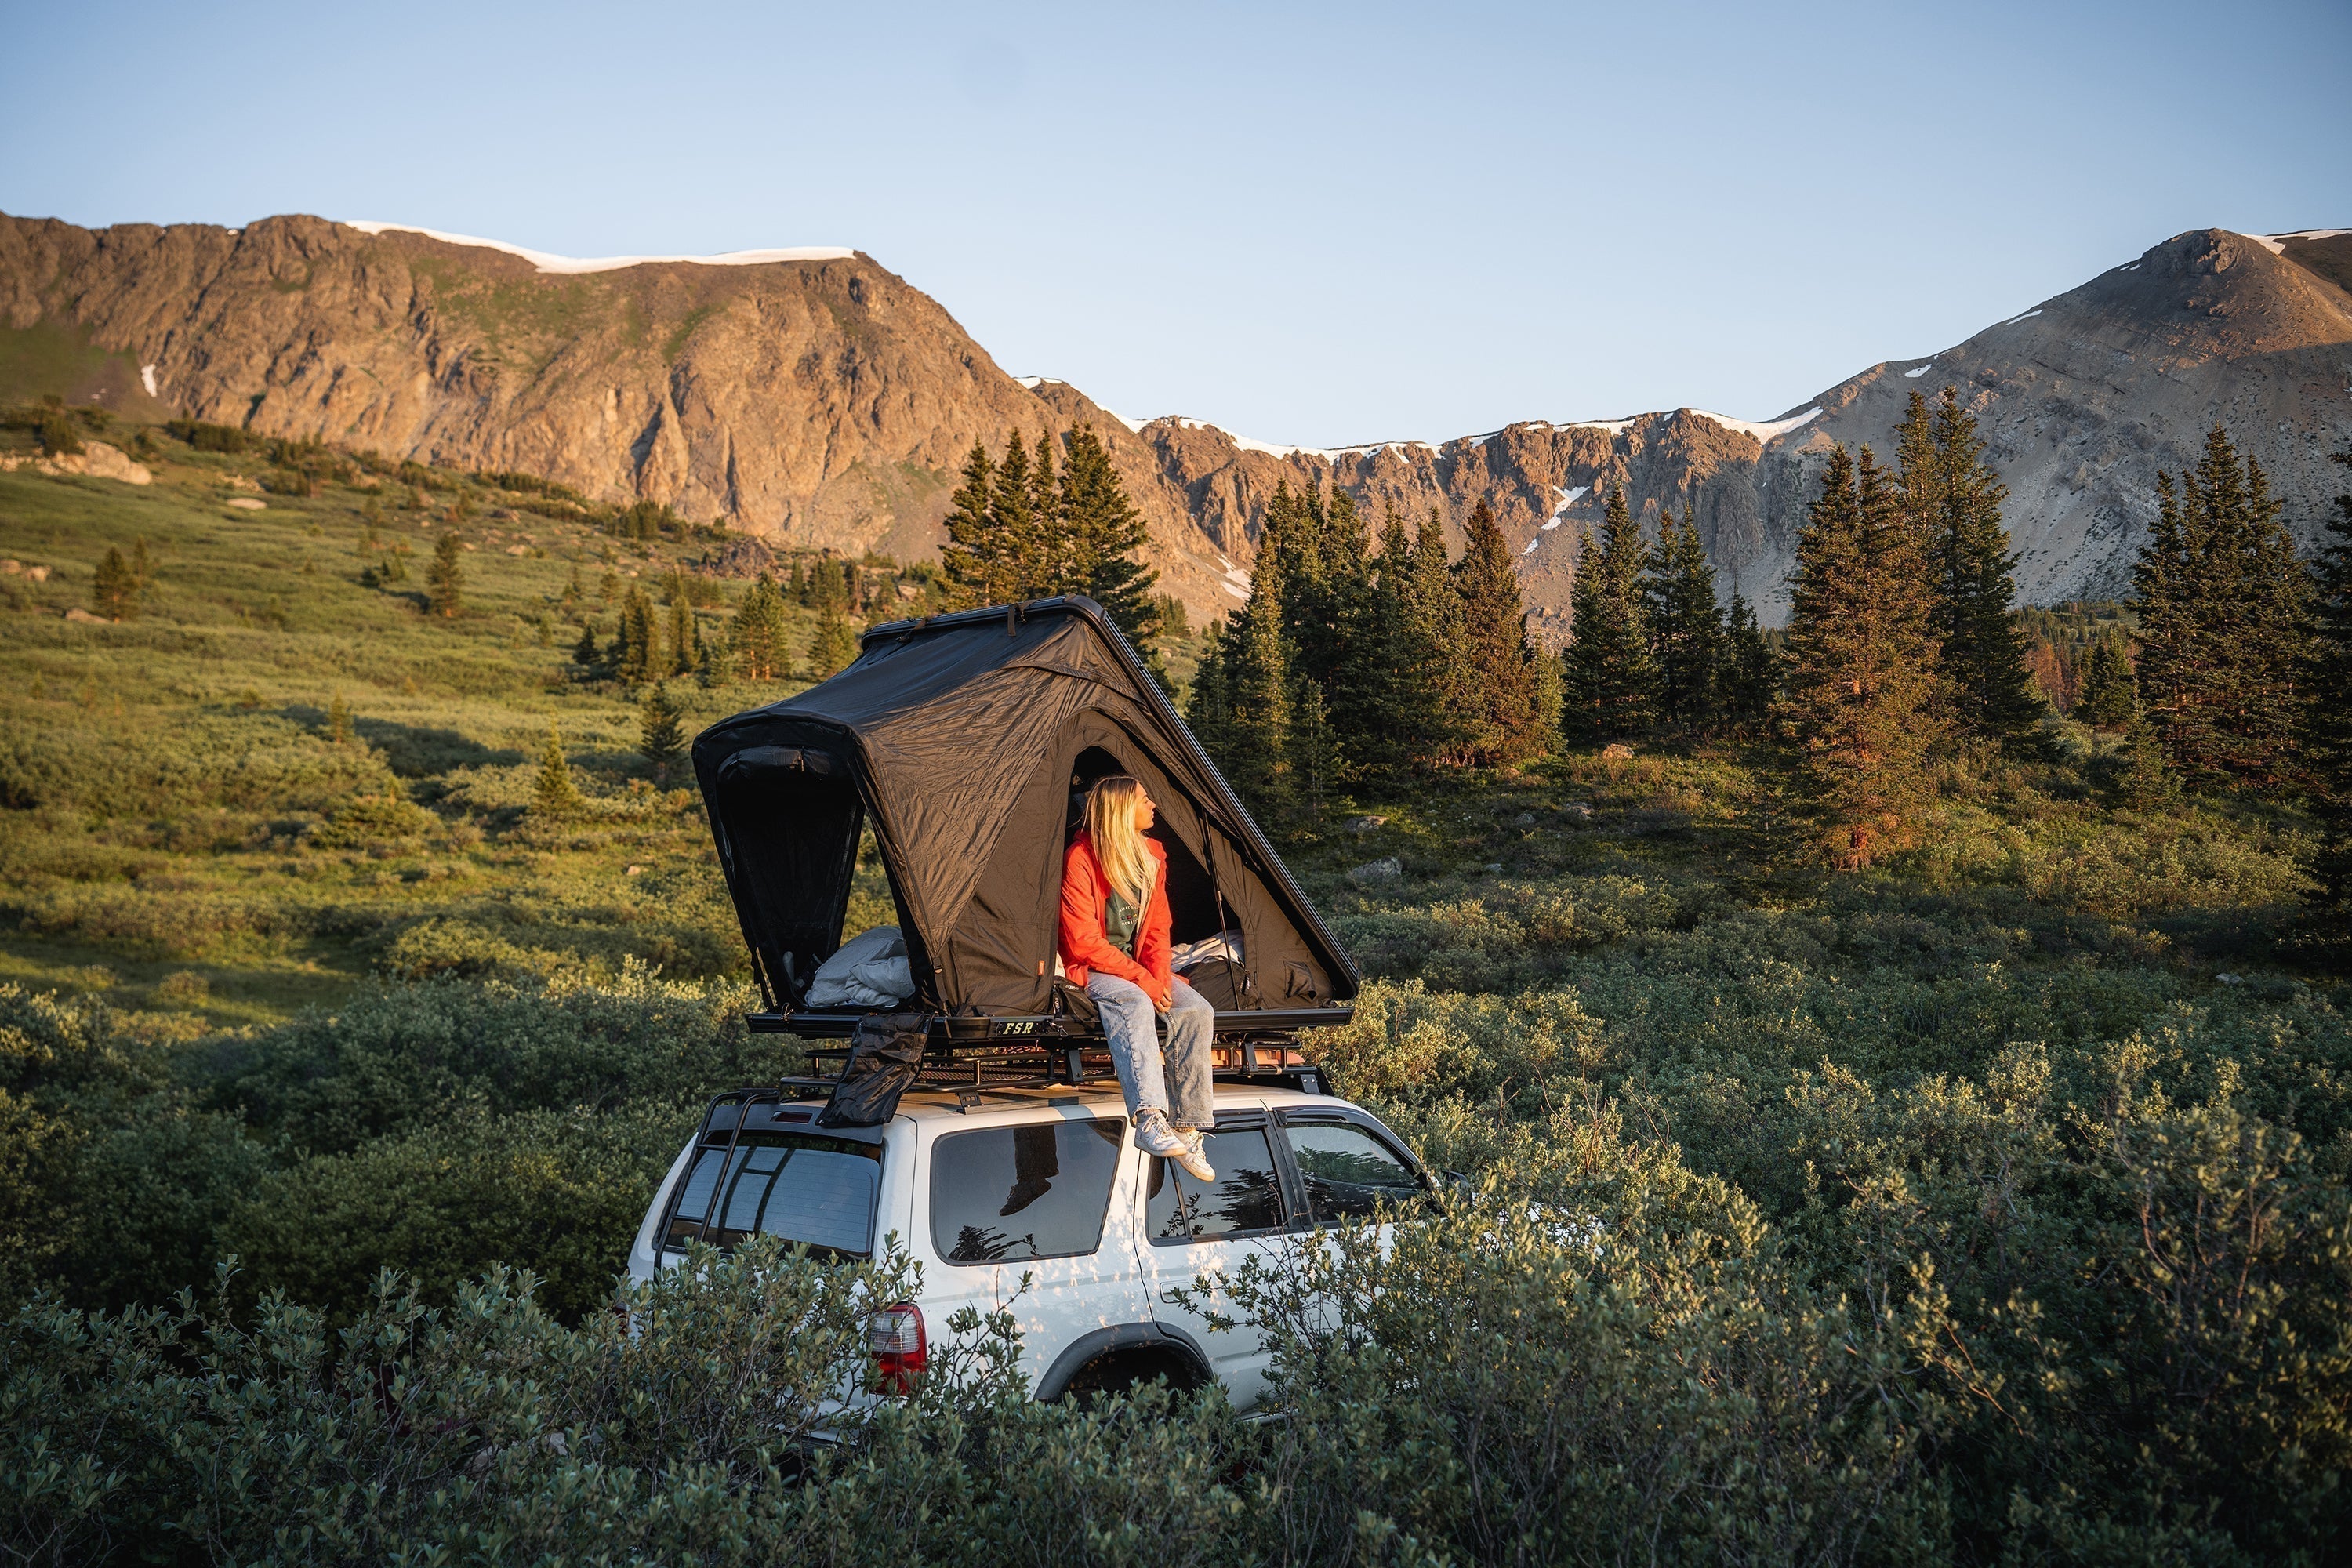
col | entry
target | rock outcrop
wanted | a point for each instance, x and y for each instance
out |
(96, 459)
(826, 403)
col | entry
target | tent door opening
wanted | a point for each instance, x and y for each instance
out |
(795, 825)
(1191, 894)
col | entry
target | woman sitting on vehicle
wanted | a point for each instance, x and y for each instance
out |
(1114, 942)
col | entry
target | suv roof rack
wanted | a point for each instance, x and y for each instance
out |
(1262, 1024)
(968, 1071)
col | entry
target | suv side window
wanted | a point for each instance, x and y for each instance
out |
(1245, 1200)
(1001, 1194)
(1348, 1171)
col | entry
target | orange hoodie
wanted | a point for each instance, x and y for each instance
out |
(1086, 944)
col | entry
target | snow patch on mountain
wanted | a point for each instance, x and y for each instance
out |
(547, 262)
(1559, 513)
(1248, 445)
(2276, 243)
(1762, 430)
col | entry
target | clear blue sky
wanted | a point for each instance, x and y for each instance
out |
(1309, 224)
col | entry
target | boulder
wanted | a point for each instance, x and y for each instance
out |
(1376, 873)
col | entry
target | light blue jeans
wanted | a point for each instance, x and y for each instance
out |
(1135, 1049)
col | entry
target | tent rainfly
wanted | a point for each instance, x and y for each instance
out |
(965, 741)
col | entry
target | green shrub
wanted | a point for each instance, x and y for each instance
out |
(373, 822)
(206, 437)
(560, 1193)
(397, 1060)
(436, 948)
(58, 436)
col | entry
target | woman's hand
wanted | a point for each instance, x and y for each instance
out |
(1166, 1001)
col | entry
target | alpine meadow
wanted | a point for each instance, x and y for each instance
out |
(1898, 1060)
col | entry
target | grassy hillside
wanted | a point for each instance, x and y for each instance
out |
(184, 825)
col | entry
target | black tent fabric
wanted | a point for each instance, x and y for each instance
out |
(963, 740)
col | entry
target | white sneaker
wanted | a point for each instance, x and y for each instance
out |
(1154, 1134)
(1195, 1163)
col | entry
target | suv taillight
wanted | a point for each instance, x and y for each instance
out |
(901, 1350)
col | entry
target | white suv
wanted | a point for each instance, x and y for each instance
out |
(982, 1187)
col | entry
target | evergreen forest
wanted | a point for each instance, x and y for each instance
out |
(1896, 1063)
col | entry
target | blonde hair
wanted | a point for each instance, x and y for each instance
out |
(1110, 823)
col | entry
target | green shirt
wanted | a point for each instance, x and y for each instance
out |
(1120, 920)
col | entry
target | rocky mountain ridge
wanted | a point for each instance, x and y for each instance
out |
(817, 399)
(2082, 399)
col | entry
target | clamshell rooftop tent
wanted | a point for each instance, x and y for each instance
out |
(963, 740)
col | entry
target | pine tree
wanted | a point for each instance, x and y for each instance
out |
(2327, 738)
(554, 793)
(833, 645)
(1495, 644)
(1953, 498)
(1012, 510)
(1433, 635)
(756, 632)
(1051, 564)
(1319, 549)
(1208, 705)
(1862, 663)
(1749, 678)
(1098, 532)
(660, 737)
(1312, 749)
(636, 654)
(445, 579)
(2107, 700)
(1612, 680)
(1377, 700)
(684, 647)
(339, 721)
(1258, 682)
(972, 560)
(584, 652)
(1686, 641)
(2222, 602)
(1551, 699)
(113, 589)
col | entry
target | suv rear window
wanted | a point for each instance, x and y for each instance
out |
(1004, 1193)
(808, 1189)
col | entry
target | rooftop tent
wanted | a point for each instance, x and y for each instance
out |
(963, 739)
